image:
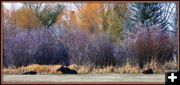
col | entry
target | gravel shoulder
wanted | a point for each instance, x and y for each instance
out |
(86, 78)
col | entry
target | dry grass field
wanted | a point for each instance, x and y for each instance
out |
(126, 69)
(126, 73)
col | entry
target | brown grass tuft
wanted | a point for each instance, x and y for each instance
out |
(83, 70)
(157, 68)
(73, 67)
(128, 69)
(171, 66)
(108, 69)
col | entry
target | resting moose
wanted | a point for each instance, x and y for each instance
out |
(149, 71)
(65, 70)
(30, 73)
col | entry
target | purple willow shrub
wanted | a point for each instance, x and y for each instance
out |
(150, 43)
(76, 43)
(88, 49)
(7, 34)
(18, 49)
(123, 54)
(26, 47)
(102, 50)
(51, 51)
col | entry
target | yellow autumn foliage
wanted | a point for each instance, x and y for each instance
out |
(11, 17)
(90, 16)
(26, 18)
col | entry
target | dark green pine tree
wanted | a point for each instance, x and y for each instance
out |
(148, 14)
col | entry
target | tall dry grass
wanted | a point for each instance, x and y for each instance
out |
(41, 69)
(125, 69)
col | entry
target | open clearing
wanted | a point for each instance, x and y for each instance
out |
(86, 78)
